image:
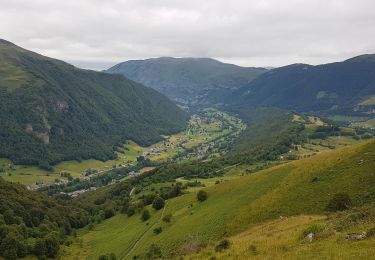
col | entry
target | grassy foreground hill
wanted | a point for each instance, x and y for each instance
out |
(52, 111)
(304, 187)
(189, 81)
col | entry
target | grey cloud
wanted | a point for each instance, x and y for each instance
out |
(97, 33)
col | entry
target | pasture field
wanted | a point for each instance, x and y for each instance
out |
(244, 202)
(284, 239)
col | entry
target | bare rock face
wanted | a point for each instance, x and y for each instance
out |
(356, 236)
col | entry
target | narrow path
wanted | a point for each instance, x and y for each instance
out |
(132, 191)
(144, 233)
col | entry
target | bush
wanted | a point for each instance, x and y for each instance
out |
(313, 228)
(371, 232)
(111, 256)
(158, 203)
(153, 252)
(202, 195)
(157, 230)
(145, 215)
(253, 249)
(223, 244)
(109, 212)
(131, 210)
(167, 218)
(339, 202)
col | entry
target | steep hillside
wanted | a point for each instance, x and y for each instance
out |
(306, 186)
(51, 111)
(346, 87)
(189, 81)
(32, 223)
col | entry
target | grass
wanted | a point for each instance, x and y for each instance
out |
(299, 187)
(282, 239)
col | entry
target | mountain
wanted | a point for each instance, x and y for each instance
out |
(342, 87)
(53, 111)
(188, 81)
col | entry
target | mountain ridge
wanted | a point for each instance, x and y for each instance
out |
(53, 111)
(188, 81)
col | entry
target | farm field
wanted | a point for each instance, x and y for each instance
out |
(245, 202)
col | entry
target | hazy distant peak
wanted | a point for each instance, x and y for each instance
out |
(362, 58)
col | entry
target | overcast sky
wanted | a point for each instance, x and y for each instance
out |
(99, 33)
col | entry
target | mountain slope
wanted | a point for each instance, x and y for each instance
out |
(189, 81)
(339, 87)
(300, 187)
(52, 111)
(31, 220)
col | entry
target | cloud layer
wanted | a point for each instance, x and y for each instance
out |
(97, 34)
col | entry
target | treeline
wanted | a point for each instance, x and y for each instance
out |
(333, 129)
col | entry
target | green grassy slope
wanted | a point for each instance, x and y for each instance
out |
(299, 187)
(53, 111)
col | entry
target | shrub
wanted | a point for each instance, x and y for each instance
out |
(253, 249)
(158, 203)
(111, 256)
(145, 215)
(167, 218)
(223, 244)
(313, 228)
(339, 202)
(131, 210)
(153, 252)
(157, 230)
(109, 212)
(371, 232)
(202, 195)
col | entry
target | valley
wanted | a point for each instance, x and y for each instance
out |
(232, 163)
(201, 140)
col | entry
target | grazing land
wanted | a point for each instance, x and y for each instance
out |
(234, 206)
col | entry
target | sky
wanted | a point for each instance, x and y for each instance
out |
(97, 34)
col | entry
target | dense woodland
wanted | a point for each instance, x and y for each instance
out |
(34, 223)
(52, 111)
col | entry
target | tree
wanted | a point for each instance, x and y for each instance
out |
(202, 195)
(158, 203)
(40, 249)
(145, 215)
(131, 210)
(158, 230)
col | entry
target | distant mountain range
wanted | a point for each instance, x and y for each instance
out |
(52, 111)
(194, 82)
(346, 87)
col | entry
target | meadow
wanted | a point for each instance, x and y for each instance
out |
(233, 206)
